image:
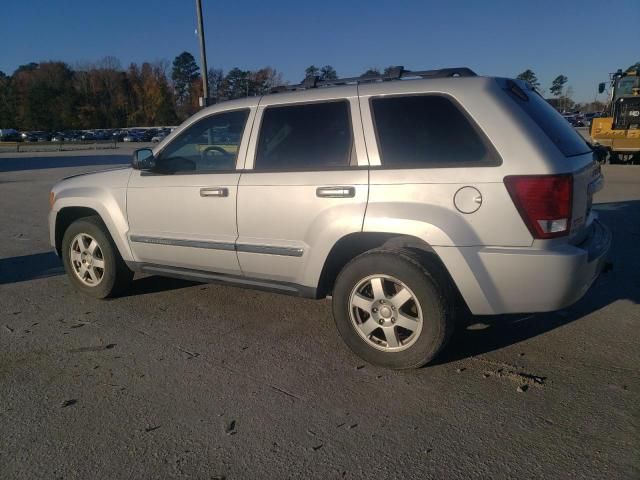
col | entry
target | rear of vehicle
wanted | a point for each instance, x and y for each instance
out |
(554, 200)
(497, 183)
(482, 186)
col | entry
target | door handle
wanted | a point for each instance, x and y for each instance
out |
(336, 192)
(214, 192)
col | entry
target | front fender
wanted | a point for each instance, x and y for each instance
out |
(110, 204)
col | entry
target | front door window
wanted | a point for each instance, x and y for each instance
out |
(210, 145)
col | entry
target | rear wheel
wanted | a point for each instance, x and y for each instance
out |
(392, 309)
(92, 260)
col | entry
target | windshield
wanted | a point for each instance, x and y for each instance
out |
(626, 85)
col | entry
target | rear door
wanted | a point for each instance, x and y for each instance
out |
(304, 186)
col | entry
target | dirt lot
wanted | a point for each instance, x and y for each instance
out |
(182, 380)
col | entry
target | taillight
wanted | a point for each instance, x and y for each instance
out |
(544, 202)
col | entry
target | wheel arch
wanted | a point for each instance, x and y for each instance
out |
(70, 213)
(354, 244)
(65, 217)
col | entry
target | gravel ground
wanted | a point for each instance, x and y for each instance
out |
(183, 380)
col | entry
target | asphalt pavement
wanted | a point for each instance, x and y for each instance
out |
(185, 380)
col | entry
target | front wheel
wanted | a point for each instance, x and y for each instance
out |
(393, 309)
(92, 260)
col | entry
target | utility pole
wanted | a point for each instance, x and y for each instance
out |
(203, 56)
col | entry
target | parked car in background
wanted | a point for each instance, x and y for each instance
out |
(41, 136)
(574, 119)
(9, 135)
(71, 136)
(588, 118)
(148, 134)
(35, 136)
(133, 136)
(87, 136)
(118, 135)
(102, 135)
(161, 135)
(139, 135)
(398, 199)
(28, 137)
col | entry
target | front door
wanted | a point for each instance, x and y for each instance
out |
(183, 212)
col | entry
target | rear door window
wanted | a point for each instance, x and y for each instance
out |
(305, 137)
(422, 131)
(554, 125)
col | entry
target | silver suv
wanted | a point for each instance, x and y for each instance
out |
(399, 196)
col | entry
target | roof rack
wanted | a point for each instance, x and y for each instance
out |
(392, 73)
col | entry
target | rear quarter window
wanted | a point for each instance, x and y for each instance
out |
(427, 131)
(554, 125)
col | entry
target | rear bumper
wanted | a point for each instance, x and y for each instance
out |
(512, 280)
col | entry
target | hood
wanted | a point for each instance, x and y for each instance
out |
(112, 178)
(94, 172)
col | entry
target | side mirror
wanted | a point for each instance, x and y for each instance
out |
(601, 87)
(143, 159)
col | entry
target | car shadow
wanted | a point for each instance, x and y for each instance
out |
(47, 264)
(155, 284)
(477, 335)
(29, 267)
(14, 164)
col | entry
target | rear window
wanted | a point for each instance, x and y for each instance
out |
(423, 131)
(554, 125)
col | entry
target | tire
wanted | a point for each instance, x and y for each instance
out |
(107, 275)
(386, 342)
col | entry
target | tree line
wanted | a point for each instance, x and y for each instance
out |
(53, 95)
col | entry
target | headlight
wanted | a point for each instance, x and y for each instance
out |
(52, 199)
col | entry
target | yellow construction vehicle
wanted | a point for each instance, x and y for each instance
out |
(619, 130)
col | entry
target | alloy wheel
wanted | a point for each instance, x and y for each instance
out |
(385, 313)
(87, 260)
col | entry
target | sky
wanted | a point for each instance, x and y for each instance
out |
(582, 39)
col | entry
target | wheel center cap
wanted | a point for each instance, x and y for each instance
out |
(385, 312)
(87, 258)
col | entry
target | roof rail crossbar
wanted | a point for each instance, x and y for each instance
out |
(444, 72)
(393, 73)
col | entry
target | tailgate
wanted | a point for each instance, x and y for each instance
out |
(587, 180)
